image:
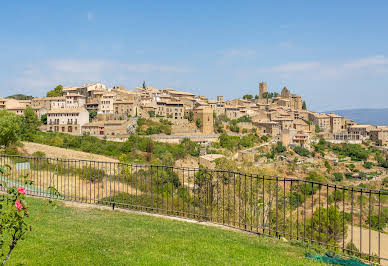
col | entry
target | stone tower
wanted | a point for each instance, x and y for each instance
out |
(262, 89)
(285, 93)
(205, 115)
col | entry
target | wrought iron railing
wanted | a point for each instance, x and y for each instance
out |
(348, 219)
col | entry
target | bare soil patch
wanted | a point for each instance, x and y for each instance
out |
(55, 152)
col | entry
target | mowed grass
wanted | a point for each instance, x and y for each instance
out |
(89, 236)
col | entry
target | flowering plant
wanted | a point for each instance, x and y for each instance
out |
(13, 211)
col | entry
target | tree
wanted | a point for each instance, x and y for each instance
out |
(56, 92)
(43, 119)
(190, 116)
(198, 123)
(317, 129)
(30, 124)
(304, 105)
(144, 84)
(248, 97)
(9, 128)
(92, 115)
(20, 97)
(279, 148)
(327, 228)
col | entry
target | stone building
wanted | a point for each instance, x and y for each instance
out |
(86, 90)
(296, 102)
(362, 130)
(337, 123)
(321, 120)
(73, 100)
(168, 109)
(284, 122)
(270, 127)
(67, 120)
(116, 127)
(285, 93)
(48, 102)
(94, 128)
(125, 107)
(379, 135)
(106, 103)
(16, 106)
(179, 94)
(301, 125)
(58, 102)
(235, 112)
(284, 102)
(205, 115)
(106, 128)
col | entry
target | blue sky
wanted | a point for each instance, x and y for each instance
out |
(333, 53)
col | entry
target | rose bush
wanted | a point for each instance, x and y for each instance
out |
(13, 211)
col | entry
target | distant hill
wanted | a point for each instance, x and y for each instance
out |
(20, 97)
(366, 116)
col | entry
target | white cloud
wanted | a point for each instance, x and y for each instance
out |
(37, 77)
(286, 44)
(90, 16)
(291, 67)
(330, 69)
(374, 61)
(237, 52)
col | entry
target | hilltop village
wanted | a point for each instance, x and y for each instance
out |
(270, 133)
(114, 113)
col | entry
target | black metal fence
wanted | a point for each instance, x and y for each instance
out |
(339, 217)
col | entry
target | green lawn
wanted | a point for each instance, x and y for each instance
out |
(89, 236)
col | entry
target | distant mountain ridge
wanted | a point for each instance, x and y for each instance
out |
(377, 117)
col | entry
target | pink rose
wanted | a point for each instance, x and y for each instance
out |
(22, 190)
(18, 205)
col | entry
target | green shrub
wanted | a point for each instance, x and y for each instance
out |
(384, 164)
(338, 177)
(354, 151)
(368, 165)
(198, 123)
(327, 225)
(91, 174)
(384, 183)
(279, 148)
(328, 166)
(264, 138)
(352, 249)
(40, 154)
(301, 151)
(296, 199)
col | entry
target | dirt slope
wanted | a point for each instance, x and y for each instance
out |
(55, 152)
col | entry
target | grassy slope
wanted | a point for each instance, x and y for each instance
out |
(74, 236)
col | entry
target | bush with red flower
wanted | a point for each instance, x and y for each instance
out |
(13, 211)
